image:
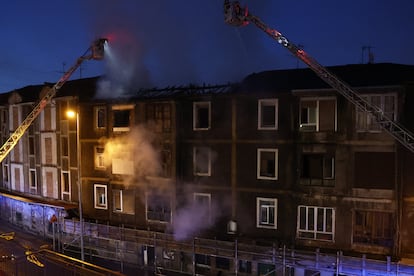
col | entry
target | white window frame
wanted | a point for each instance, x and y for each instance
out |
(196, 107)
(52, 136)
(259, 163)
(99, 201)
(121, 203)
(261, 207)
(307, 230)
(32, 186)
(52, 106)
(266, 103)
(307, 126)
(99, 158)
(206, 155)
(65, 193)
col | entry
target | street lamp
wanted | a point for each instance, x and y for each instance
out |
(73, 114)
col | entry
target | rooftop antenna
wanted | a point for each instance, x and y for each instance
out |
(370, 54)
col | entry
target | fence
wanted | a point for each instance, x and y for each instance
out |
(205, 256)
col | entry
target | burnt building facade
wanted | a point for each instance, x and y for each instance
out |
(278, 158)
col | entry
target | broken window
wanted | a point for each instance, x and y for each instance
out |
(373, 227)
(201, 115)
(316, 223)
(266, 213)
(159, 208)
(267, 163)
(122, 117)
(317, 114)
(202, 161)
(267, 117)
(317, 169)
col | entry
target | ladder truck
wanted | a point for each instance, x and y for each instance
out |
(236, 15)
(95, 51)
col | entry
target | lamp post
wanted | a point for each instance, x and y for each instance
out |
(72, 114)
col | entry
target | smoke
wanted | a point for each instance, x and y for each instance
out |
(133, 154)
(166, 43)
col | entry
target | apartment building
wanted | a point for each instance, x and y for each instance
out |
(279, 158)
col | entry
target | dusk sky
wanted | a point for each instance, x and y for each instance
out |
(166, 43)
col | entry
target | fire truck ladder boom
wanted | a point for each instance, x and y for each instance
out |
(96, 52)
(237, 16)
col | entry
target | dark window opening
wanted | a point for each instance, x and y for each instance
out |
(121, 118)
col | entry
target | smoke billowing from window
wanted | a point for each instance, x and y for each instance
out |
(133, 154)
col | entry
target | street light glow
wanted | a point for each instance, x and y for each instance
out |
(71, 114)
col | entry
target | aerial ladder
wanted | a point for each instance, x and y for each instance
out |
(95, 51)
(236, 15)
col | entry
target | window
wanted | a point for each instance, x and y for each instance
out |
(202, 161)
(267, 163)
(122, 117)
(99, 158)
(266, 213)
(316, 223)
(201, 115)
(123, 201)
(365, 122)
(65, 146)
(317, 169)
(373, 228)
(32, 179)
(159, 115)
(317, 114)
(202, 202)
(49, 156)
(31, 145)
(159, 208)
(100, 196)
(5, 172)
(100, 117)
(267, 118)
(66, 186)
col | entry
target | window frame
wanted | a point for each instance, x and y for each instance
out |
(307, 126)
(147, 208)
(368, 123)
(97, 110)
(99, 156)
(315, 233)
(327, 176)
(196, 109)
(197, 196)
(97, 196)
(196, 160)
(259, 163)
(65, 192)
(266, 103)
(259, 204)
(32, 186)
